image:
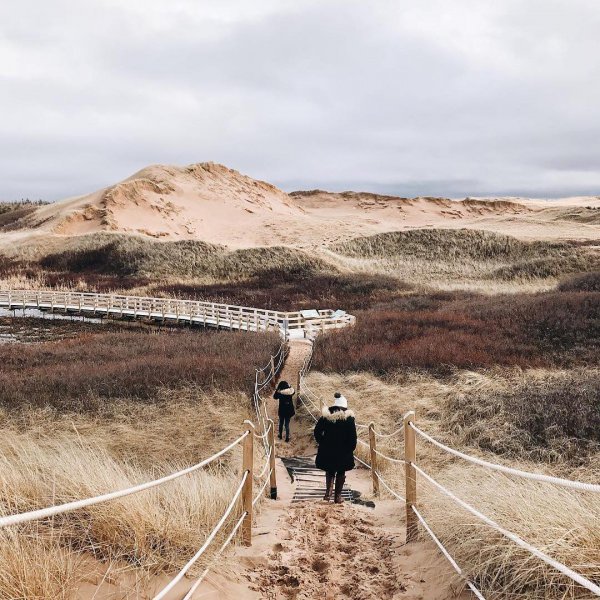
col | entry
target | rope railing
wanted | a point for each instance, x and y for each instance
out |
(387, 435)
(445, 552)
(307, 408)
(568, 483)
(163, 593)
(218, 553)
(51, 511)
(414, 517)
(577, 577)
(262, 489)
(388, 458)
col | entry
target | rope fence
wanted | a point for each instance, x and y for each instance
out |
(414, 516)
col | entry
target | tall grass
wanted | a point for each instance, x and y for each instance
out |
(109, 420)
(558, 521)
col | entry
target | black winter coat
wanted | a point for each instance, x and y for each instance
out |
(286, 402)
(335, 433)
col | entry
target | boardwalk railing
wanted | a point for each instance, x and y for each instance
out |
(294, 324)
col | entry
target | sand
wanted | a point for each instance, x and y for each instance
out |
(215, 204)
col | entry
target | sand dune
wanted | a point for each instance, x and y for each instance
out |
(215, 204)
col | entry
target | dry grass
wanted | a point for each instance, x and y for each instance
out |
(558, 521)
(465, 259)
(55, 449)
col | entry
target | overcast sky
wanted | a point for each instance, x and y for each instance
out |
(468, 97)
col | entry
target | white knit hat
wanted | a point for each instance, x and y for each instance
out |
(340, 400)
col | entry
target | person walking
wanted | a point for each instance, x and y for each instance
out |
(335, 433)
(284, 394)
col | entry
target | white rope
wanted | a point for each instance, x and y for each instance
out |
(386, 457)
(69, 506)
(266, 465)
(362, 462)
(262, 489)
(388, 488)
(218, 553)
(206, 544)
(446, 553)
(578, 578)
(577, 485)
(363, 443)
(265, 434)
(307, 409)
(388, 435)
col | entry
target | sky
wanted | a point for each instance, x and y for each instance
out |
(469, 97)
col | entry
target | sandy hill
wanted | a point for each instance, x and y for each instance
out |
(205, 201)
(215, 204)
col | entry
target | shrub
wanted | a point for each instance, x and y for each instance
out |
(582, 282)
(295, 289)
(468, 331)
(80, 373)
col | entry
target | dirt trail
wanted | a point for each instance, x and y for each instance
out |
(328, 551)
(322, 551)
(301, 440)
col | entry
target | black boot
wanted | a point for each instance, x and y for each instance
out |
(339, 486)
(328, 487)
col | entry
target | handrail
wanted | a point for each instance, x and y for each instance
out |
(70, 506)
(193, 311)
(577, 577)
(445, 552)
(218, 553)
(206, 544)
(568, 483)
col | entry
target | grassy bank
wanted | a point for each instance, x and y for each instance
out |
(102, 411)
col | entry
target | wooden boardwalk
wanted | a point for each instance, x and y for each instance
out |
(291, 325)
(310, 480)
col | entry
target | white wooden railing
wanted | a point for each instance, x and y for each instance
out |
(294, 324)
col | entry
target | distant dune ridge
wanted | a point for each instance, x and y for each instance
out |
(215, 204)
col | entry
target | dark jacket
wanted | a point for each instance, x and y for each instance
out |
(335, 433)
(286, 402)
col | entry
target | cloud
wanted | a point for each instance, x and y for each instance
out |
(472, 97)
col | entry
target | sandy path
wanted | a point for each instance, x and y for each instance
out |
(328, 551)
(319, 551)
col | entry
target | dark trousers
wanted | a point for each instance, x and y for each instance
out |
(284, 421)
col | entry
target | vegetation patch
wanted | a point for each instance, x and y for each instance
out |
(467, 331)
(295, 289)
(80, 374)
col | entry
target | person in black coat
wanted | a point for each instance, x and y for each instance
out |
(285, 395)
(335, 433)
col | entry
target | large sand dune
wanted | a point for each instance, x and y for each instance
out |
(209, 202)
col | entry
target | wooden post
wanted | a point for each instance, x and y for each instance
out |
(273, 476)
(272, 366)
(374, 469)
(298, 389)
(410, 457)
(247, 490)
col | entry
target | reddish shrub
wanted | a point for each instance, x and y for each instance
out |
(77, 373)
(468, 331)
